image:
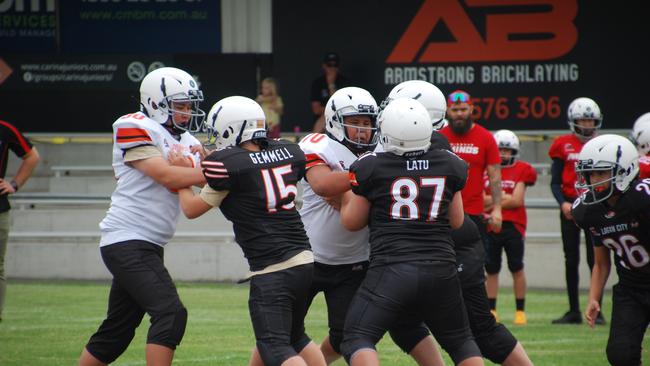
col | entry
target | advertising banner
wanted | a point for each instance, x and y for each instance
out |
(86, 93)
(140, 26)
(523, 61)
(27, 26)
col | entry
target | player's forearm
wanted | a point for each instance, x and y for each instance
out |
(599, 276)
(175, 177)
(27, 166)
(331, 184)
(191, 205)
(353, 216)
(509, 202)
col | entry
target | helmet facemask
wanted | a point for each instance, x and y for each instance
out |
(506, 160)
(357, 146)
(593, 193)
(585, 133)
(196, 115)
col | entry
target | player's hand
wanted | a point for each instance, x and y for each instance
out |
(177, 158)
(334, 201)
(6, 187)
(593, 308)
(199, 149)
(496, 220)
(566, 210)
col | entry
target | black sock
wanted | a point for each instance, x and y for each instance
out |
(520, 304)
(493, 303)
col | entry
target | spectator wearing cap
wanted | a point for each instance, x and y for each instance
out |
(324, 86)
(476, 145)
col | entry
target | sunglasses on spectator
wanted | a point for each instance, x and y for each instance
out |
(459, 97)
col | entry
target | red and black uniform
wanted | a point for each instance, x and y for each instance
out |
(624, 229)
(513, 232)
(10, 139)
(564, 152)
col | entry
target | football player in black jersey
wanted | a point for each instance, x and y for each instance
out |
(409, 196)
(253, 181)
(495, 341)
(614, 206)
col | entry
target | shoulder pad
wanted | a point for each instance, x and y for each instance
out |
(134, 130)
(314, 142)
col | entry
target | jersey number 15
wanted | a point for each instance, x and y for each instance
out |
(274, 178)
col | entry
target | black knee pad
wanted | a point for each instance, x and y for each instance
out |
(274, 354)
(335, 340)
(622, 357)
(464, 351)
(515, 266)
(406, 338)
(492, 267)
(350, 346)
(167, 329)
(107, 346)
(107, 353)
(496, 343)
(300, 343)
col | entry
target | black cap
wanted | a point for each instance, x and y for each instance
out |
(331, 59)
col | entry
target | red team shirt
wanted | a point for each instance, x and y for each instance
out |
(479, 149)
(520, 171)
(566, 148)
(644, 167)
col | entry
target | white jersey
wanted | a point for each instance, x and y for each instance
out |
(141, 208)
(331, 243)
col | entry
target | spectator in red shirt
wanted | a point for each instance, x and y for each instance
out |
(477, 147)
(584, 120)
(516, 175)
(640, 136)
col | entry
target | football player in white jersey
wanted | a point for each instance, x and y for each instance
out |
(341, 256)
(143, 215)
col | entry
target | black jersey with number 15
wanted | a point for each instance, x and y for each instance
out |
(409, 214)
(625, 229)
(260, 203)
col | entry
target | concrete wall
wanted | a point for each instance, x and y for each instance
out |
(61, 242)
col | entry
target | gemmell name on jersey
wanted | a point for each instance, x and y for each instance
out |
(270, 156)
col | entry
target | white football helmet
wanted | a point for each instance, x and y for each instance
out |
(507, 139)
(640, 134)
(606, 153)
(234, 120)
(424, 92)
(351, 101)
(584, 108)
(163, 86)
(405, 127)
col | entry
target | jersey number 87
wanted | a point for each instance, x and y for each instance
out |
(405, 193)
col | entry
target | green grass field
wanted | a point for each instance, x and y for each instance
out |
(48, 323)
